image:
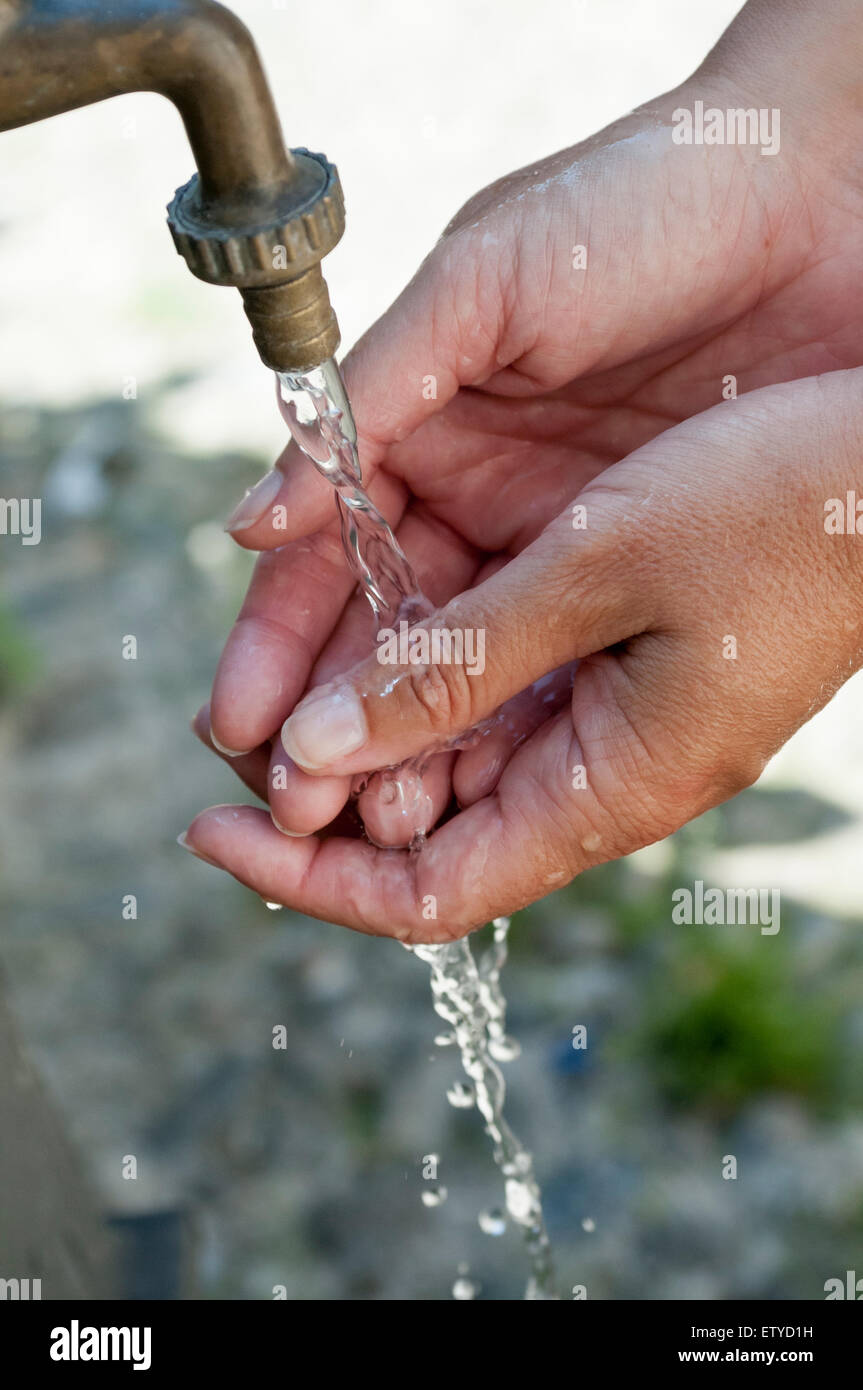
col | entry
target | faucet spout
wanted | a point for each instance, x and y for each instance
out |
(256, 215)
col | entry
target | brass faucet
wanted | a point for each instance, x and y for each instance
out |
(255, 215)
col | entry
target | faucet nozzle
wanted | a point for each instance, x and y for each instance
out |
(272, 255)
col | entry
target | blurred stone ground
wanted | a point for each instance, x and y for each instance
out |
(302, 1167)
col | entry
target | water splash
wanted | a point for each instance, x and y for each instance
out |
(433, 1196)
(467, 994)
(460, 1095)
(469, 998)
(492, 1223)
(464, 1289)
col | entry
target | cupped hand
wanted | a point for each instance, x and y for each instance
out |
(711, 613)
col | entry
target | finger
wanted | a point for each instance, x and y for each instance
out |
(293, 604)
(342, 880)
(290, 501)
(300, 804)
(251, 768)
(479, 767)
(497, 856)
(400, 804)
(569, 593)
(441, 333)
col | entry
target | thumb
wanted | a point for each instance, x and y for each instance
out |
(441, 333)
(565, 596)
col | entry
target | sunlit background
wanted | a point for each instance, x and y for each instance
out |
(302, 1168)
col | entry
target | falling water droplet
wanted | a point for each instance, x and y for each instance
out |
(461, 1095)
(588, 1224)
(535, 1293)
(433, 1196)
(521, 1202)
(464, 1289)
(445, 1039)
(492, 1222)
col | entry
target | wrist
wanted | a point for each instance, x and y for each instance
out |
(803, 60)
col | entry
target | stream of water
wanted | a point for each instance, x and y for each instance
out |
(466, 990)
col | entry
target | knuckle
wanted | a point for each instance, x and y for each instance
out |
(737, 772)
(443, 694)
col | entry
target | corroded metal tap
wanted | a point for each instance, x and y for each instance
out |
(255, 215)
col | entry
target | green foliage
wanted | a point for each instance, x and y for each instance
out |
(726, 1014)
(18, 660)
(362, 1113)
(729, 1028)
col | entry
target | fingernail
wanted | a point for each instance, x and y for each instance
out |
(255, 502)
(228, 752)
(294, 834)
(324, 728)
(200, 721)
(181, 840)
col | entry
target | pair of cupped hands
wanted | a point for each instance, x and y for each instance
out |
(559, 449)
